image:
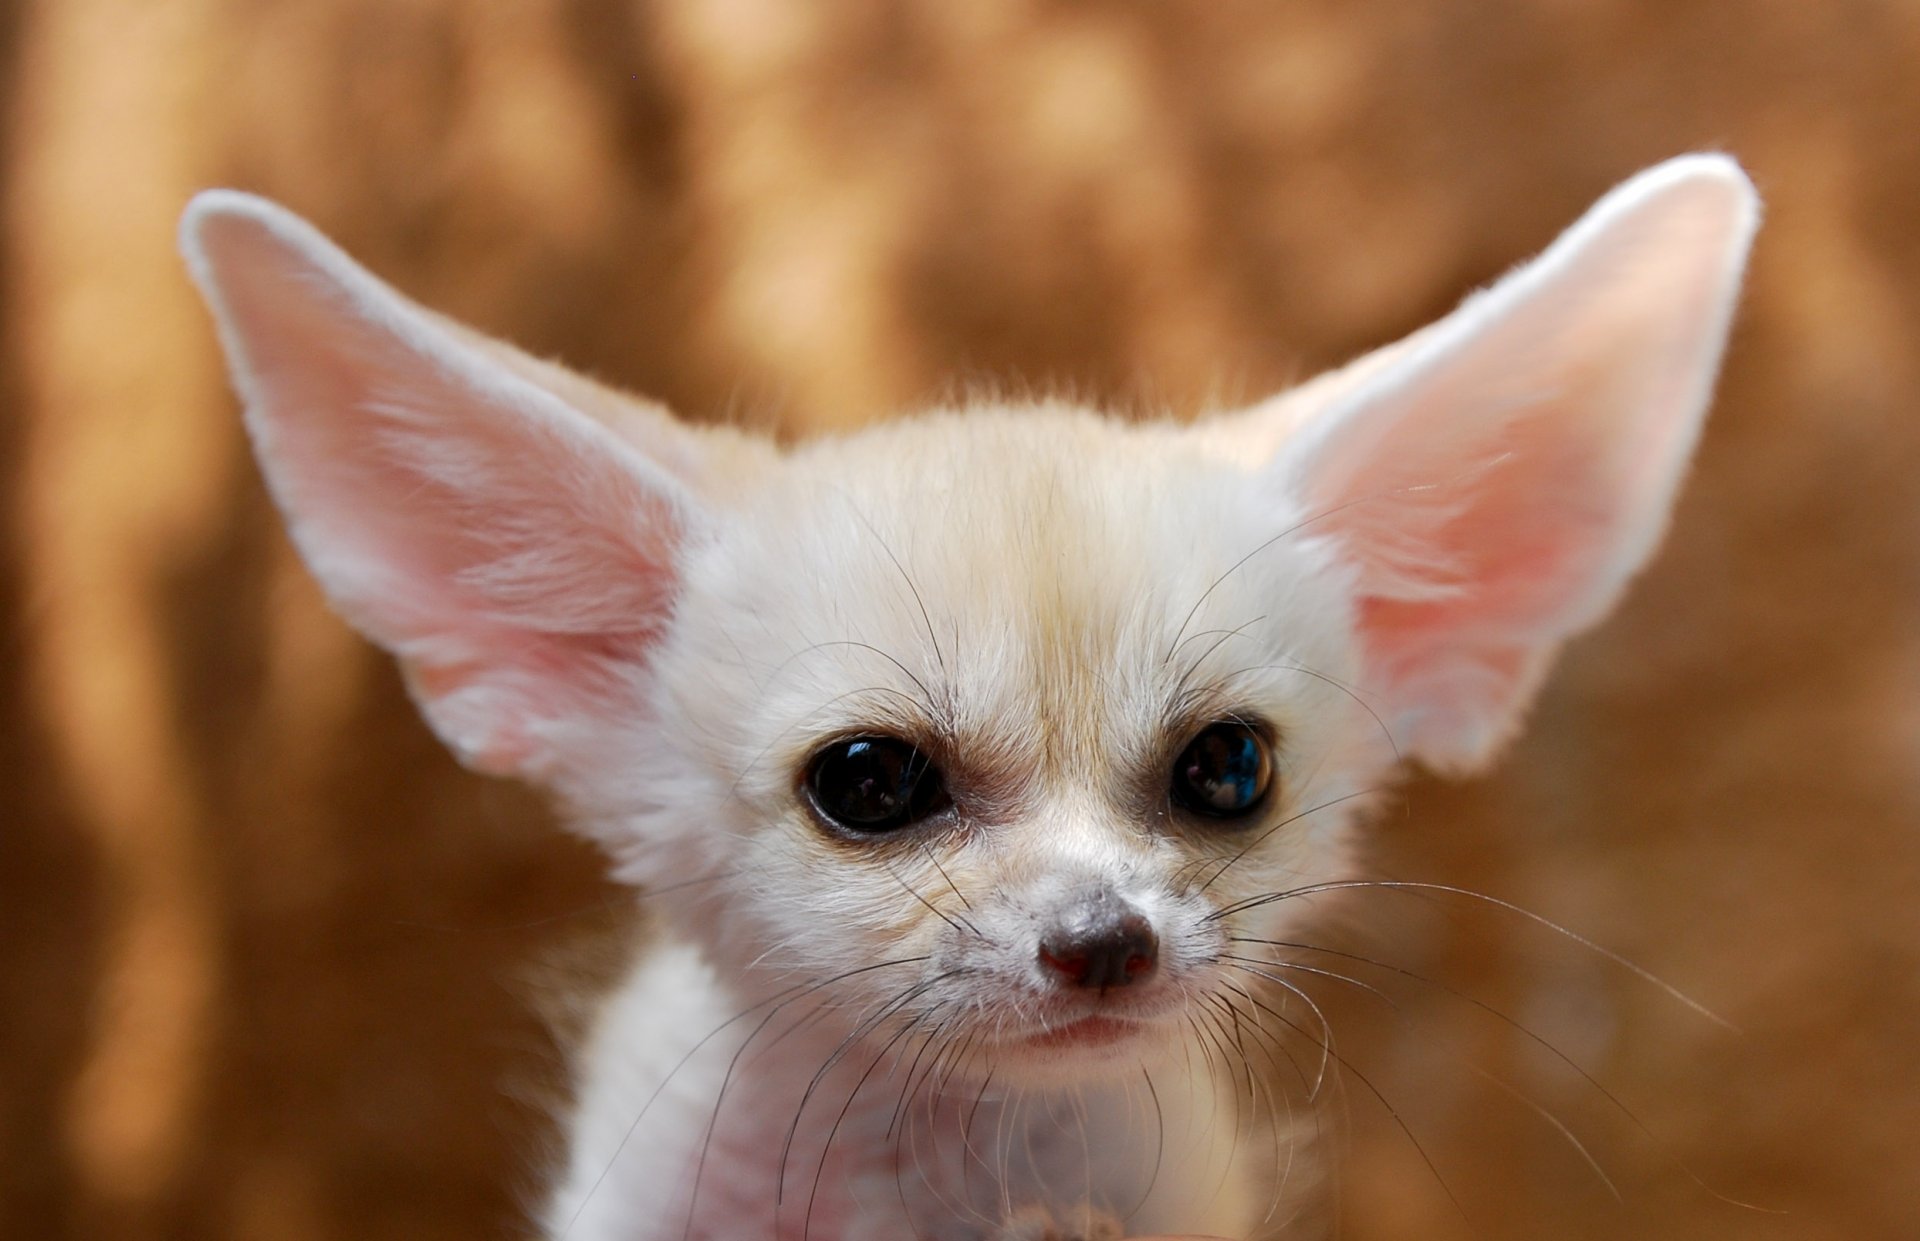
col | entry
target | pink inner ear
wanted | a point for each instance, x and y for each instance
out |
(1524, 541)
(1498, 478)
(517, 557)
(1468, 580)
(1528, 534)
(512, 557)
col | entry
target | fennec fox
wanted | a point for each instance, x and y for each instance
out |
(990, 764)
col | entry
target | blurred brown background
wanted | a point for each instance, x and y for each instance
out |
(268, 960)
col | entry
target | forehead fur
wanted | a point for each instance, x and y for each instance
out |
(1051, 588)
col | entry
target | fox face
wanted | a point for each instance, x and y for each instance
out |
(1026, 720)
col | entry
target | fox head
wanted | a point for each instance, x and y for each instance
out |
(1040, 710)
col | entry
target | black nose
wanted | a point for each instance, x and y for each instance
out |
(1101, 943)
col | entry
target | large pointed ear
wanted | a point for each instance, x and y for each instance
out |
(1496, 479)
(457, 506)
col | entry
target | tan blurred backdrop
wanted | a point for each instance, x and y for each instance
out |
(269, 961)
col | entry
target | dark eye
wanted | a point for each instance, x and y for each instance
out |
(875, 784)
(1224, 772)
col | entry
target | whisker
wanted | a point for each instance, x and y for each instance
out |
(1159, 1139)
(1219, 1004)
(926, 695)
(1536, 1038)
(859, 1032)
(1302, 524)
(661, 888)
(713, 1117)
(1220, 682)
(966, 1132)
(958, 894)
(1572, 1139)
(733, 790)
(1207, 1025)
(1326, 1049)
(1348, 1066)
(1255, 1084)
(919, 602)
(1283, 1174)
(1463, 996)
(1400, 885)
(1272, 1038)
(780, 997)
(934, 909)
(1370, 989)
(1543, 1112)
(726, 1082)
(962, 1209)
(1226, 636)
(826, 1146)
(1256, 841)
(907, 1085)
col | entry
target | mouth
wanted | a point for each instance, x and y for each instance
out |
(1084, 1032)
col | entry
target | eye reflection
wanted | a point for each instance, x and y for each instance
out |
(1225, 772)
(872, 785)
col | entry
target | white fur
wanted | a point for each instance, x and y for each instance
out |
(663, 625)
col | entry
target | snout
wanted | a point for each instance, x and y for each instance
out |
(1098, 943)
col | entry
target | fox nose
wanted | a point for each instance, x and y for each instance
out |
(1101, 943)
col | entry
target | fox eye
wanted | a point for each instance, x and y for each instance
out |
(872, 785)
(1225, 771)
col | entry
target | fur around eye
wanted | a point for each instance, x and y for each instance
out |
(1225, 772)
(875, 784)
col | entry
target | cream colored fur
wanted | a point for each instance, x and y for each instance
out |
(848, 1038)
